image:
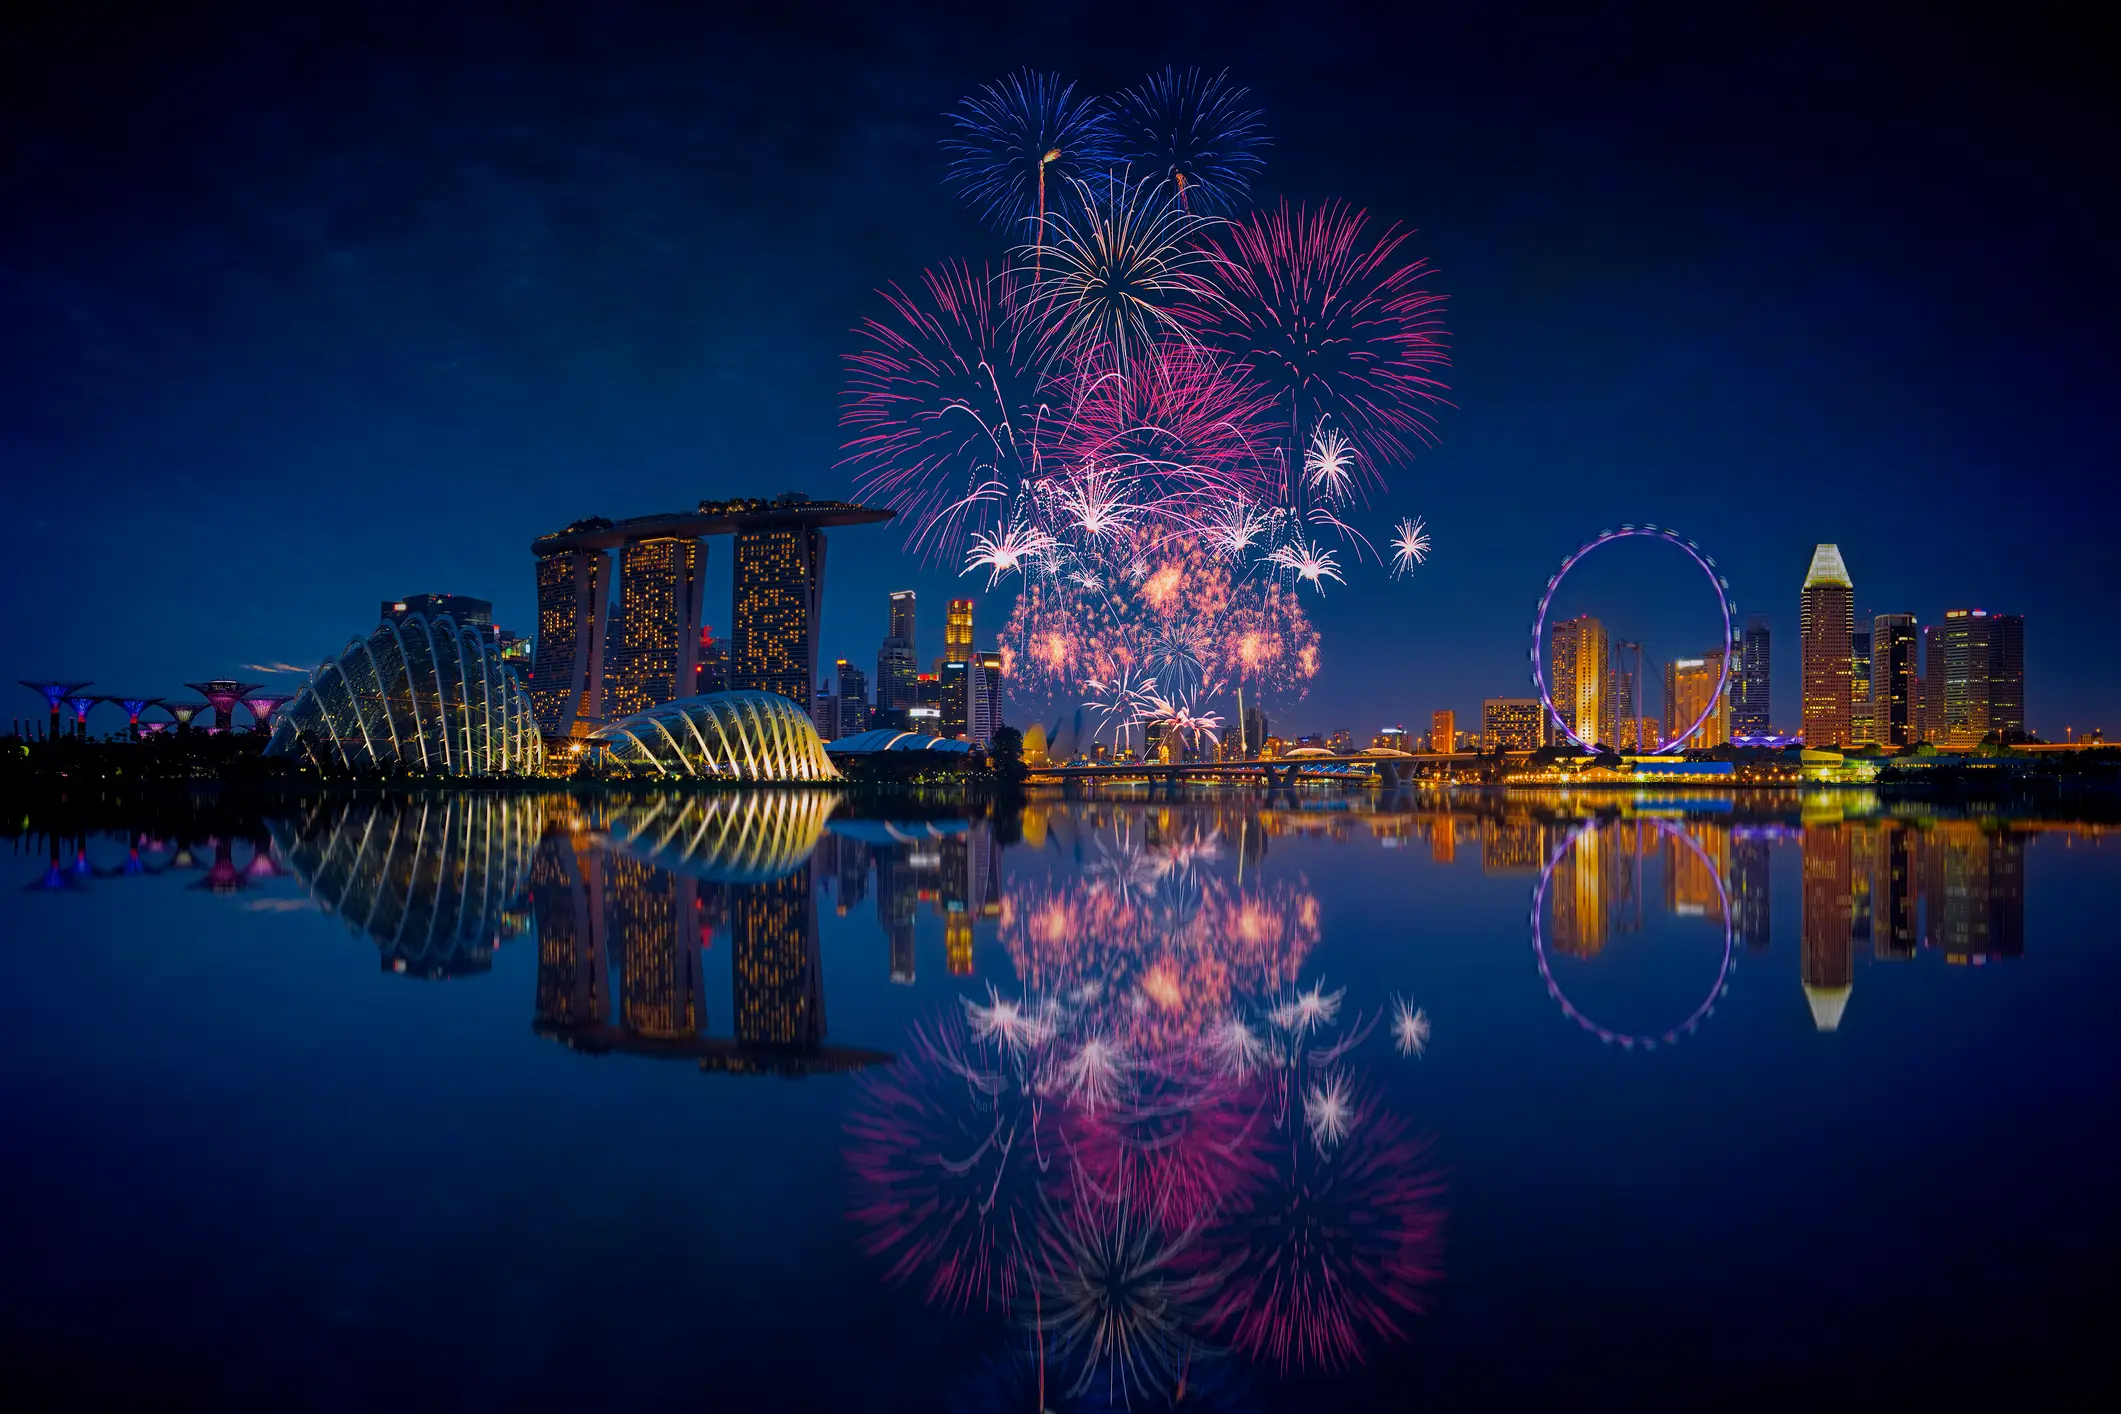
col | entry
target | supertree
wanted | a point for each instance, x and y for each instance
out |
(1016, 138)
(942, 403)
(1194, 130)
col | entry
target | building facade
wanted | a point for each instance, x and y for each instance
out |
(851, 687)
(1513, 724)
(1689, 693)
(1896, 683)
(1826, 625)
(654, 651)
(1982, 688)
(1750, 715)
(780, 583)
(567, 669)
(1576, 678)
(957, 631)
(1861, 726)
(1443, 730)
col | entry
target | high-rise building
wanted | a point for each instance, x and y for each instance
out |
(1826, 628)
(1690, 693)
(1861, 727)
(1750, 714)
(903, 619)
(713, 674)
(957, 698)
(1512, 724)
(654, 653)
(567, 671)
(1576, 680)
(1254, 732)
(957, 631)
(1982, 691)
(985, 714)
(1623, 699)
(825, 713)
(852, 689)
(780, 581)
(1896, 690)
(896, 675)
(1443, 730)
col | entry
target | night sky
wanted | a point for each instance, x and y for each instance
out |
(299, 313)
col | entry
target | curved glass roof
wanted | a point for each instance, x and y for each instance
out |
(884, 739)
(738, 736)
(417, 693)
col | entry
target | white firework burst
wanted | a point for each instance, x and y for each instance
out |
(1329, 1111)
(1317, 1007)
(1237, 1049)
(1238, 528)
(1410, 1027)
(1013, 549)
(1300, 559)
(1006, 1023)
(1329, 465)
(1092, 1076)
(1410, 545)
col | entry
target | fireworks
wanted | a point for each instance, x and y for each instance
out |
(1237, 1049)
(1329, 465)
(1333, 323)
(1091, 1077)
(1300, 559)
(1410, 546)
(1329, 1111)
(1122, 267)
(1007, 1023)
(942, 402)
(1007, 551)
(1016, 138)
(1113, 1298)
(1195, 131)
(1410, 1028)
(1304, 1010)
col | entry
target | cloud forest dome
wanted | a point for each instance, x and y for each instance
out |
(418, 694)
(738, 736)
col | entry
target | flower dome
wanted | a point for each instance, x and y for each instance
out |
(737, 736)
(418, 693)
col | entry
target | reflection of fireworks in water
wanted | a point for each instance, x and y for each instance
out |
(1184, 1144)
(1332, 1251)
(1410, 1028)
(1329, 1111)
(950, 1161)
(1114, 1301)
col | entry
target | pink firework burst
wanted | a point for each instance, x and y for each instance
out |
(1333, 321)
(1333, 1250)
(941, 404)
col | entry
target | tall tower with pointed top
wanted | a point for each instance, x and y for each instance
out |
(1826, 624)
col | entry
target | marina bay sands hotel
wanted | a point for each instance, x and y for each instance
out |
(600, 657)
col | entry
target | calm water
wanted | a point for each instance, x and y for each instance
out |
(752, 1102)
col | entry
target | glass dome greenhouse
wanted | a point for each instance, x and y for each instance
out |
(738, 736)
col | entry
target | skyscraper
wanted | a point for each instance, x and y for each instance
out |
(957, 631)
(1576, 680)
(567, 674)
(896, 666)
(1512, 724)
(1690, 693)
(1826, 623)
(780, 578)
(1750, 715)
(957, 698)
(853, 692)
(1443, 730)
(1896, 691)
(654, 652)
(1861, 727)
(986, 708)
(1983, 676)
(1623, 696)
(902, 615)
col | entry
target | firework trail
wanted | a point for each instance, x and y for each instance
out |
(1333, 323)
(1122, 268)
(942, 403)
(1410, 545)
(1020, 136)
(1196, 132)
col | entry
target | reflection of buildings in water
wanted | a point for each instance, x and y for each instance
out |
(780, 992)
(434, 882)
(1512, 845)
(655, 929)
(724, 838)
(1443, 839)
(1692, 880)
(1597, 885)
(1749, 890)
(1896, 930)
(567, 902)
(1973, 891)
(1828, 969)
(953, 866)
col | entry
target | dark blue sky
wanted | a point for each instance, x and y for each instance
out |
(298, 313)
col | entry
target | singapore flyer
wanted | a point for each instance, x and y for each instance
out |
(1718, 585)
(1633, 1040)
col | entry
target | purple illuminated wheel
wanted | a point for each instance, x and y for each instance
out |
(1717, 583)
(1626, 1040)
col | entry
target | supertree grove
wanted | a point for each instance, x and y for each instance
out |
(1152, 392)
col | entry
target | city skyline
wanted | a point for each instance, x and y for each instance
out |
(1626, 354)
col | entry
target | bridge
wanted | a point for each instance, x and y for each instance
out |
(1392, 771)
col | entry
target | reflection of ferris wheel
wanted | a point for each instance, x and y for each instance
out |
(1625, 1040)
(1717, 583)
